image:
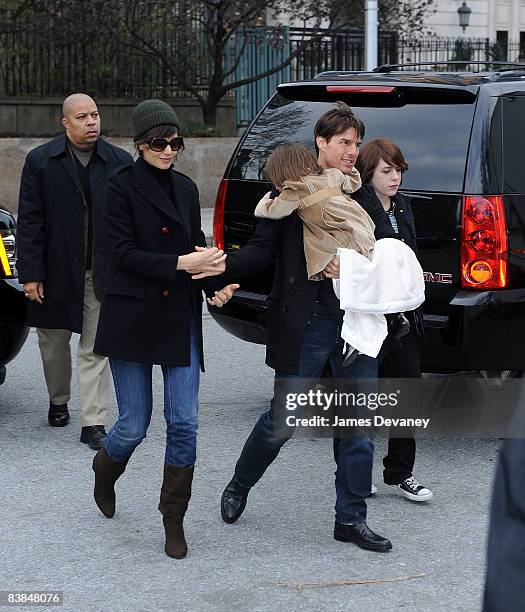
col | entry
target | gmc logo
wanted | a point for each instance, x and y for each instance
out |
(437, 277)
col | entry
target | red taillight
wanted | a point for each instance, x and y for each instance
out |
(359, 89)
(218, 215)
(483, 243)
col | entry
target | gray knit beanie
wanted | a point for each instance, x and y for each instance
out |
(152, 113)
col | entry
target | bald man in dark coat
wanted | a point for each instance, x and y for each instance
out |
(62, 258)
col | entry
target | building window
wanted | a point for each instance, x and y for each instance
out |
(522, 47)
(501, 46)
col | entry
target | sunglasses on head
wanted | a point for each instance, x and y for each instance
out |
(159, 144)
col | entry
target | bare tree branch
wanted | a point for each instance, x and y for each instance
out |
(193, 47)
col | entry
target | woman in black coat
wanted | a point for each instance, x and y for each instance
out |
(151, 312)
(381, 164)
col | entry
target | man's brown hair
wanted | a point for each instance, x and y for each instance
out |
(376, 150)
(290, 162)
(336, 121)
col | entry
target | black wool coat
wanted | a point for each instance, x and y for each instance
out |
(148, 305)
(50, 229)
(291, 300)
(366, 196)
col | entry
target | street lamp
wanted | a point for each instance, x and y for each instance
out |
(464, 15)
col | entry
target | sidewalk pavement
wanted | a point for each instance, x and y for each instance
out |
(280, 555)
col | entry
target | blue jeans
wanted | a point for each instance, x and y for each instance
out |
(133, 386)
(353, 477)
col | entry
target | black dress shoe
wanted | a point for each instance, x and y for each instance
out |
(233, 501)
(362, 535)
(58, 416)
(398, 325)
(94, 435)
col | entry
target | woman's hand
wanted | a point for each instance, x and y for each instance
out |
(213, 269)
(223, 295)
(332, 269)
(204, 262)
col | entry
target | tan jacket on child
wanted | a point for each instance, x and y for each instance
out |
(331, 219)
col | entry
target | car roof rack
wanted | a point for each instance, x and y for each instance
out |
(393, 67)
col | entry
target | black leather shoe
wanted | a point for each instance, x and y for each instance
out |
(350, 355)
(94, 435)
(58, 416)
(398, 325)
(233, 501)
(362, 535)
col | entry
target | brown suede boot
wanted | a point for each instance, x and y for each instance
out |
(174, 497)
(107, 472)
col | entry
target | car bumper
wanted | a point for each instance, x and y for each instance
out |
(13, 329)
(482, 331)
(244, 316)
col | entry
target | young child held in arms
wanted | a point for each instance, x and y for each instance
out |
(331, 219)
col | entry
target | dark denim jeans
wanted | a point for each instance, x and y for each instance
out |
(353, 477)
(402, 363)
(133, 387)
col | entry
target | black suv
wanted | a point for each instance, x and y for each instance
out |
(13, 330)
(463, 135)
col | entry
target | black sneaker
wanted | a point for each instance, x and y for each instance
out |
(94, 436)
(413, 490)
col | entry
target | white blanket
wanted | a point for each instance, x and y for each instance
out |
(391, 282)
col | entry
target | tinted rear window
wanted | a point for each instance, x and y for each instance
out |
(507, 138)
(434, 138)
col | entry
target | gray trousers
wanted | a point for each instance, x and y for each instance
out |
(92, 370)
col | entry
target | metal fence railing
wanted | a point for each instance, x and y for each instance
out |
(343, 50)
(268, 47)
(45, 55)
(37, 59)
(458, 49)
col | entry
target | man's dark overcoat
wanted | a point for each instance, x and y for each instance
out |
(50, 232)
(291, 300)
(148, 305)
